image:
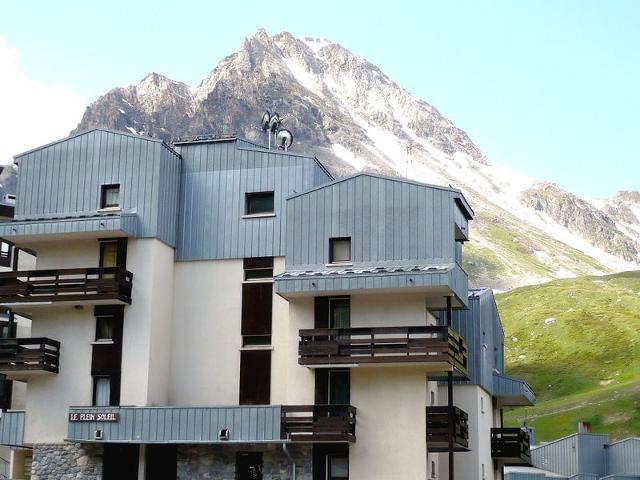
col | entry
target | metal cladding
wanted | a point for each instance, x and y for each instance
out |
(216, 176)
(179, 424)
(12, 428)
(391, 223)
(59, 185)
(481, 328)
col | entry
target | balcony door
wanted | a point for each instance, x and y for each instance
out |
(339, 312)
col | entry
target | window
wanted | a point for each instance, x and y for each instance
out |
(113, 252)
(340, 250)
(102, 391)
(338, 467)
(339, 312)
(110, 196)
(104, 329)
(259, 203)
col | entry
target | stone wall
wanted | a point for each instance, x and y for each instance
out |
(66, 461)
(196, 462)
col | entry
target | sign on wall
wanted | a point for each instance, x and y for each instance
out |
(93, 417)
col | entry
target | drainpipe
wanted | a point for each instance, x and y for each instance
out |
(293, 462)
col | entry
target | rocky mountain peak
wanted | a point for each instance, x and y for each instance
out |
(350, 114)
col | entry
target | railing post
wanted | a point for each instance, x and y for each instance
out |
(450, 395)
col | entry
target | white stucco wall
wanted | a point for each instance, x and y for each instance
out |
(291, 383)
(206, 340)
(390, 424)
(468, 465)
(49, 397)
(388, 310)
(146, 338)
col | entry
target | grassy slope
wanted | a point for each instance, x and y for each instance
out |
(584, 361)
(505, 253)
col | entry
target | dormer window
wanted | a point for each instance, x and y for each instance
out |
(110, 196)
(340, 250)
(259, 204)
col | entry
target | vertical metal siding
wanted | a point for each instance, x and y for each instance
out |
(214, 180)
(181, 424)
(12, 428)
(389, 222)
(623, 458)
(592, 454)
(65, 179)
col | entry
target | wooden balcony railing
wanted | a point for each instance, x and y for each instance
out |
(319, 423)
(71, 284)
(511, 445)
(439, 420)
(20, 357)
(437, 344)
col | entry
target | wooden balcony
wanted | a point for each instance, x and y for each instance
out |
(65, 285)
(21, 358)
(511, 446)
(439, 420)
(439, 347)
(318, 423)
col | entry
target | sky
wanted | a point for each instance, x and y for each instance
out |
(550, 88)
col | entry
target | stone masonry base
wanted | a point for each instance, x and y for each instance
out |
(204, 462)
(66, 461)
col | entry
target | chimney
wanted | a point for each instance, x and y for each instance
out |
(584, 427)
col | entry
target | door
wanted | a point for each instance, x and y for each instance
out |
(161, 462)
(249, 466)
(120, 462)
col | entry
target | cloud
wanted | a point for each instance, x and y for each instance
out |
(32, 113)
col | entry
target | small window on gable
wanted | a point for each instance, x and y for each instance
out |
(110, 196)
(259, 203)
(340, 250)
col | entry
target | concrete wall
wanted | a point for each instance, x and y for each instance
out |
(482, 417)
(146, 338)
(48, 397)
(391, 424)
(206, 340)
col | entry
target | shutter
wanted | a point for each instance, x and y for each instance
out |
(257, 299)
(255, 377)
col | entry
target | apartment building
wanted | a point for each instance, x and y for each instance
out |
(582, 456)
(215, 309)
(486, 393)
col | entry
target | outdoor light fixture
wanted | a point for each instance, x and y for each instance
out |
(271, 124)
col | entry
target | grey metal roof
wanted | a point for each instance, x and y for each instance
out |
(84, 132)
(512, 390)
(395, 179)
(368, 271)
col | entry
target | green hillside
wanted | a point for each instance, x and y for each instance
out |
(577, 342)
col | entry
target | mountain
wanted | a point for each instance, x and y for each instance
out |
(354, 117)
(576, 341)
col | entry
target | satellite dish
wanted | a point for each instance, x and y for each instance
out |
(264, 123)
(284, 139)
(274, 123)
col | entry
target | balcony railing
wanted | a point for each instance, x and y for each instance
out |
(22, 357)
(318, 423)
(71, 284)
(439, 420)
(511, 445)
(428, 344)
